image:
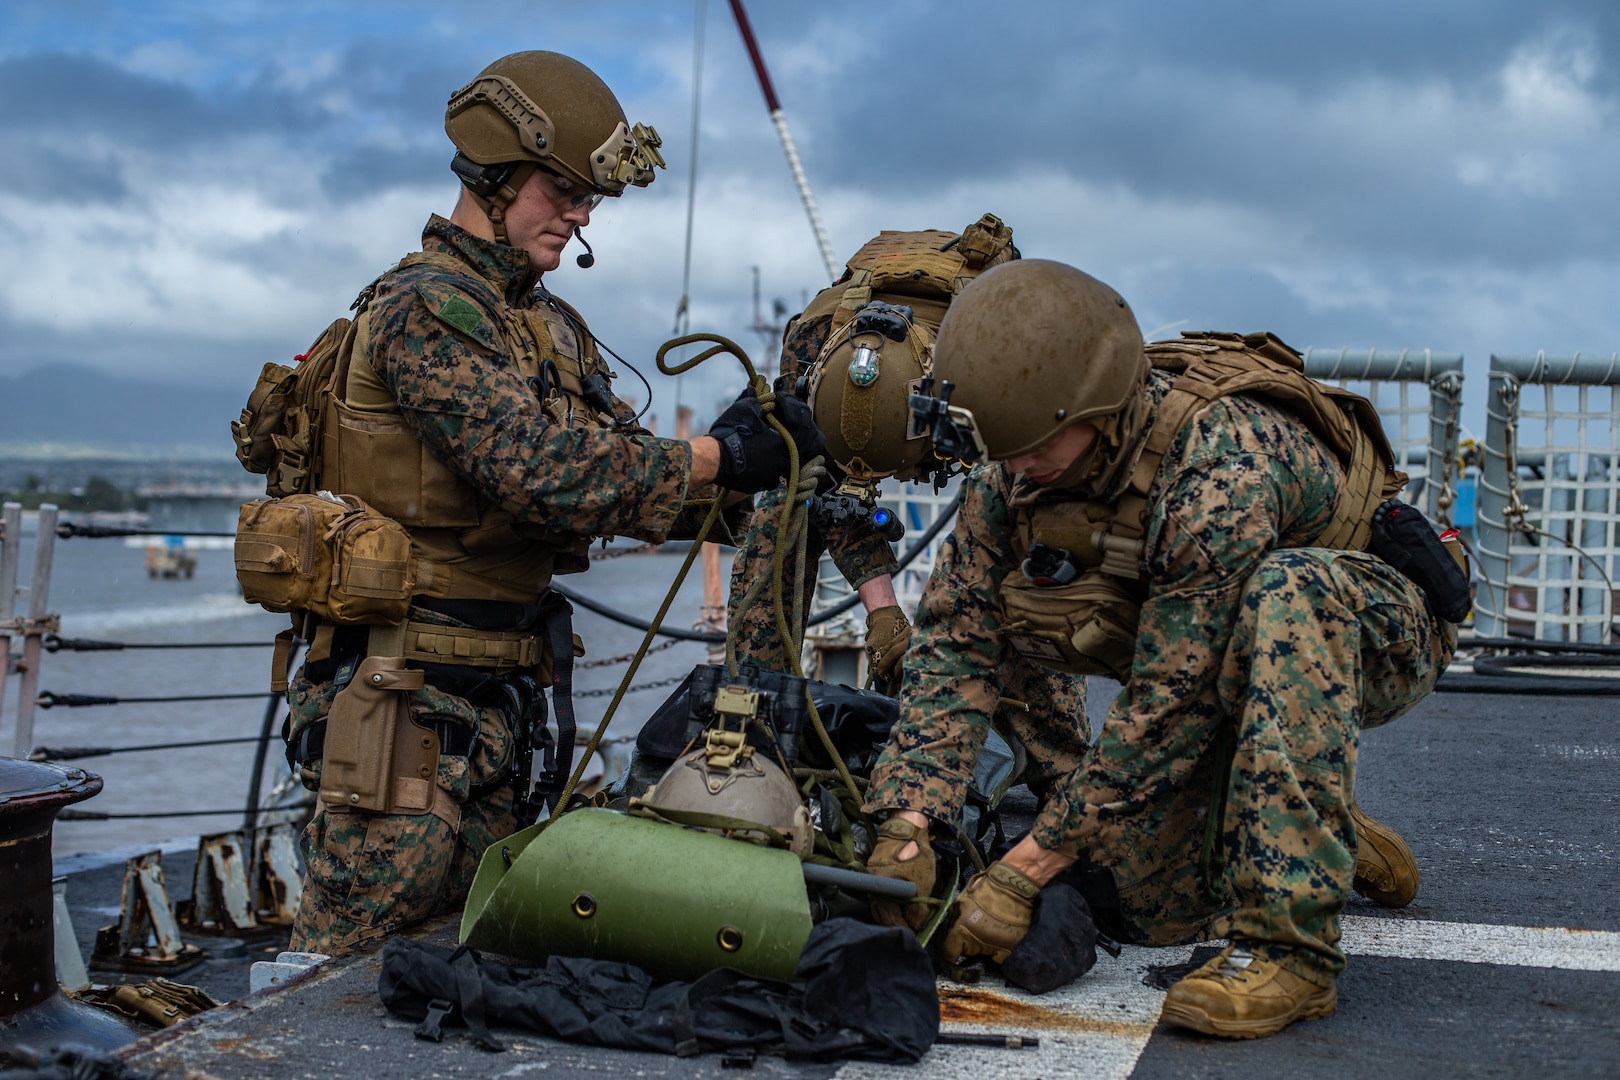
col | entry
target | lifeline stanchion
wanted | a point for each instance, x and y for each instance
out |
(36, 625)
(10, 556)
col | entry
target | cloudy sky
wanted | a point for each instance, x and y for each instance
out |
(190, 189)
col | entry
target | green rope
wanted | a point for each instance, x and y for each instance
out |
(635, 662)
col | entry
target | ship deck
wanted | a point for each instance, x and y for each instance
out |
(1507, 964)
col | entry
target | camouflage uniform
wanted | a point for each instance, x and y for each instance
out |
(436, 344)
(859, 554)
(1250, 649)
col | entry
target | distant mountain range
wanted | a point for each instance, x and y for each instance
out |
(69, 410)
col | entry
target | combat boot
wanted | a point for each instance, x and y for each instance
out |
(1239, 995)
(1386, 872)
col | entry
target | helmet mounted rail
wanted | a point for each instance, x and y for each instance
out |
(951, 428)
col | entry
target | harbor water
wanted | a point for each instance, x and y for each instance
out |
(102, 591)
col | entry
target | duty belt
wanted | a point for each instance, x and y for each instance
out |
(498, 650)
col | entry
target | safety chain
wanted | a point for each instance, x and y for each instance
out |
(613, 553)
(625, 658)
(656, 684)
(1448, 388)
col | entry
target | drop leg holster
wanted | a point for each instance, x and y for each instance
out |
(375, 758)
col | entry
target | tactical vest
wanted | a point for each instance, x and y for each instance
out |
(1088, 625)
(336, 427)
(923, 269)
(866, 420)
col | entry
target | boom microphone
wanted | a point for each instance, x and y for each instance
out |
(587, 260)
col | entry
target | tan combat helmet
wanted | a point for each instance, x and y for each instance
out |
(1027, 349)
(860, 388)
(544, 110)
(726, 787)
(883, 313)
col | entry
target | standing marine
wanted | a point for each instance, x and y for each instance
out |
(1192, 518)
(437, 460)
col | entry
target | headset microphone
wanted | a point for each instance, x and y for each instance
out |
(587, 260)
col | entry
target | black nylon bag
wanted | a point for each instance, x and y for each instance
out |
(868, 993)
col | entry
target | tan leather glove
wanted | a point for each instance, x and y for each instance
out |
(992, 915)
(893, 835)
(888, 636)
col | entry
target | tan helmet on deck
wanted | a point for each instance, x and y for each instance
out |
(1031, 347)
(726, 787)
(544, 110)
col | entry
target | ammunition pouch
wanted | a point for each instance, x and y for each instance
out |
(1084, 627)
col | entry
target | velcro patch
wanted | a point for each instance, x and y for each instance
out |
(460, 314)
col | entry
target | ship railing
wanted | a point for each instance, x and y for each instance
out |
(1549, 502)
(1418, 395)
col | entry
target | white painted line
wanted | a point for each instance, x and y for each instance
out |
(1476, 943)
(1098, 1027)
(1095, 1028)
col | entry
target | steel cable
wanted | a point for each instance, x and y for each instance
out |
(946, 516)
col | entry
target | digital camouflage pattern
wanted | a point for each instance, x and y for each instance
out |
(1284, 651)
(372, 874)
(859, 554)
(436, 342)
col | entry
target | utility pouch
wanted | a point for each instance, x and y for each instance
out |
(363, 752)
(337, 558)
(1403, 537)
(263, 418)
(1084, 627)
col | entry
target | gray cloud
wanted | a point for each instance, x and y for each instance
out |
(1383, 173)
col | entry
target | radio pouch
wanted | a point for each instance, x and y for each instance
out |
(371, 741)
(1403, 538)
(1084, 627)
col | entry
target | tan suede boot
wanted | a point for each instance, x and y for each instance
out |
(1239, 995)
(1386, 872)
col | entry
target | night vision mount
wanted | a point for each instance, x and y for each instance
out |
(957, 443)
(855, 501)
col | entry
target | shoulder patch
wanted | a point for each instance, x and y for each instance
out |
(458, 313)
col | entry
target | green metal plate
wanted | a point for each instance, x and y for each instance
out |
(674, 901)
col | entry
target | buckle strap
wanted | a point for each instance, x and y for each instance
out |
(455, 739)
(559, 624)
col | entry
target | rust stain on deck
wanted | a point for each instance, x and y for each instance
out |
(982, 1008)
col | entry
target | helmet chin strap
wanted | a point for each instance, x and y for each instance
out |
(1106, 465)
(494, 205)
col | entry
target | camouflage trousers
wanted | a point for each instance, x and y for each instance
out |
(369, 874)
(859, 554)
(1326, 643)
(758, 640)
